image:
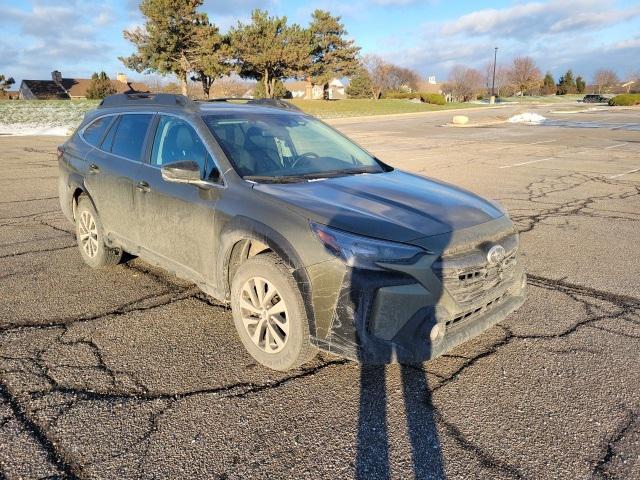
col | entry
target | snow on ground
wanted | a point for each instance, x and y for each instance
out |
(42, 117)
(527, 117)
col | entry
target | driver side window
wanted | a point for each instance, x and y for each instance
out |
(176, 141)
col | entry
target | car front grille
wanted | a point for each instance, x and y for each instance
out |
(469, 278)
(471, 314)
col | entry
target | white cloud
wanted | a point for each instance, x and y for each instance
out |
(536, 18)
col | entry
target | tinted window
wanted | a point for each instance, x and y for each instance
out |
(129, 136)
(175, 141)
(93, 133)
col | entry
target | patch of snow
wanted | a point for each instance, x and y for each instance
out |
(527, 117)
(22, 129)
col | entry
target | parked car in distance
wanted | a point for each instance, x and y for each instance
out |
(314, 242)
(595, 98)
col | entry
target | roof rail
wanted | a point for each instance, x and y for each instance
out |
(265, 102)
(141, 99)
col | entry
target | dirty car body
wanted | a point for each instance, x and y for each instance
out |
(391, 266)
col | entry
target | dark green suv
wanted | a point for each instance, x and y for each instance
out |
(314, 242)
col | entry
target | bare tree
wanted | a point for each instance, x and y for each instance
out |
(604, 79)
(463, 83)
(230, 87)
(633, 81)
(524, 75)
(387, 77)
(379, 72)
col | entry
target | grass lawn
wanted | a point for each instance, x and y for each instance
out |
(548, 98)
(363, 107)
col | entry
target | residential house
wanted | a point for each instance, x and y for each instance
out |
(65, 88)
(305, 90)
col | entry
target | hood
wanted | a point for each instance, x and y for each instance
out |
(395, 206)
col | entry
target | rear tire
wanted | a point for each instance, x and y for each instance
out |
(90, 237)
(269, 313)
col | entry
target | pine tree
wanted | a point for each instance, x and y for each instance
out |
(581, 85)
(171, 40)
(332, 55)
(279, 90)
(269, 50)
(100, 86)
(567, 84)
(548, 85)
(360, 85)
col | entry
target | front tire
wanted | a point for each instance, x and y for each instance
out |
(90, 237)
(269, 313)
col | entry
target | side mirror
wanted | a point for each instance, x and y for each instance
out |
(186, 171)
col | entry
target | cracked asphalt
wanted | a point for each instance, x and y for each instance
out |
(132, 373)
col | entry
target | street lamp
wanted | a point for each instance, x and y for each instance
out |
(493, 82)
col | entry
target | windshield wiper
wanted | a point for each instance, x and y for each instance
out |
(342, 172)
(280, 179)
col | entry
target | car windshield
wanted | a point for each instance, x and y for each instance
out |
(286, 147)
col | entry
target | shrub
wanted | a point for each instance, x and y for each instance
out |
(433, 98)
(625, 100)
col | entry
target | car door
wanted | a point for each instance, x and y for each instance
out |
(177, 219)
(112, 168)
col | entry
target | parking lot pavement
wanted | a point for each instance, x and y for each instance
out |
(132, 373)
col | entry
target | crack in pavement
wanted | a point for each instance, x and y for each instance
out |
(539, 191)
(599, 471)
(37, 433)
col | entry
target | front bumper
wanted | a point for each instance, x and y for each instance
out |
(389, 316)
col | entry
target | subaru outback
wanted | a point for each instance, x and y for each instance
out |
(314, 242)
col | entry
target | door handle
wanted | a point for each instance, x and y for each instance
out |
(143, 186)
(94, 168)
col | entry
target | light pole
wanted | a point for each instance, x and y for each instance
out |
(493, 82)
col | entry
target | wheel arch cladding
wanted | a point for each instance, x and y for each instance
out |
(232, 241)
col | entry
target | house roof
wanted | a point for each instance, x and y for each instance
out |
(77, 87)
(45, 88)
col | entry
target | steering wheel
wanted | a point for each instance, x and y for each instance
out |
(305, 156)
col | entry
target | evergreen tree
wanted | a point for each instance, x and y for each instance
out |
(171, 40)
(210, 56)
(581, 85)
(360, 85)
(332, 55)
(567, 84)
(269, 50)
(279, 90)
(100, 86)
(548, 85)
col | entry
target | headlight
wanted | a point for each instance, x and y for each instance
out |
(363, 252)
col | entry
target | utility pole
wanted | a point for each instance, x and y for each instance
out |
(493, 82)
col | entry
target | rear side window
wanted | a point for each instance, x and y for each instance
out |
(129, 135)
(94, 132)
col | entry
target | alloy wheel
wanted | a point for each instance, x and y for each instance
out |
(264, 315)
(88, 234)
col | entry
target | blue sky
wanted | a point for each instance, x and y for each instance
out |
(79, 37)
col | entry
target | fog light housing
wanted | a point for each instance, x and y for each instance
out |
(437, 331)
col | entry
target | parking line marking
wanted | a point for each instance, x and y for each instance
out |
(527, 163)
(619, 127)
(626, 173)
(615, 146)
(526, 144)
